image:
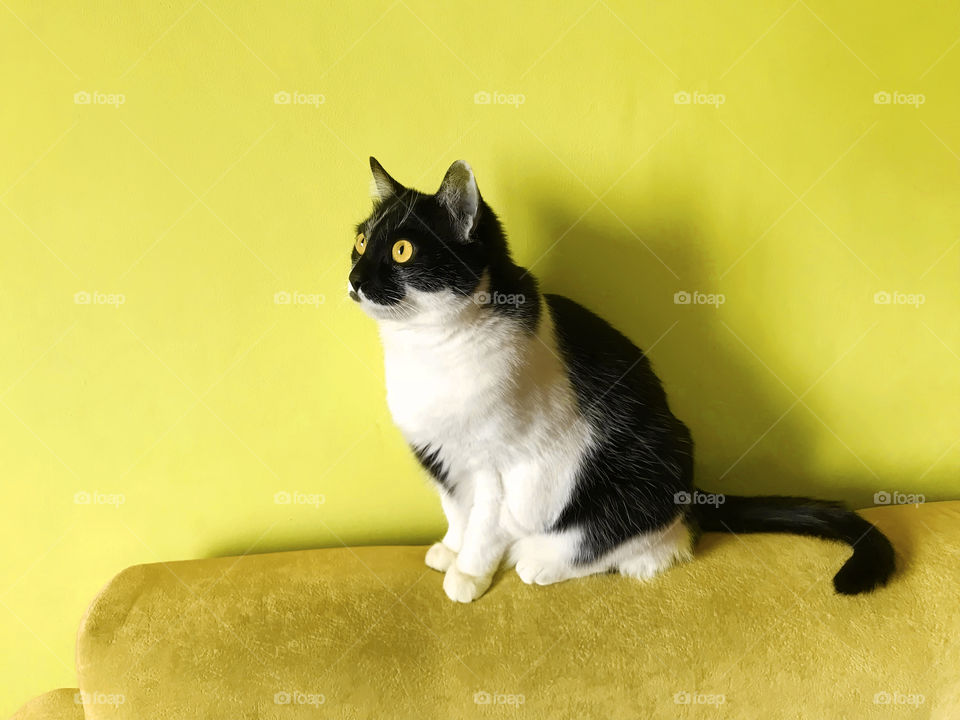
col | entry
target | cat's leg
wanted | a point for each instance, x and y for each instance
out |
(549, 558)
(649, 555)
(484, 543)
(443, 554)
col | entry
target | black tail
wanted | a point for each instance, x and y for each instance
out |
(871, 564)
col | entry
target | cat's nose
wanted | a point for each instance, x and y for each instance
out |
(356, 280)
(354, 285)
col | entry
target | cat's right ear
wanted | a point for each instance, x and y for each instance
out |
(382, 186)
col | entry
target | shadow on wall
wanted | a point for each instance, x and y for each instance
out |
(628, 272)
(726, 398)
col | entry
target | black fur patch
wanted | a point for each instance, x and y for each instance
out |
(430, 461)
(643, 455)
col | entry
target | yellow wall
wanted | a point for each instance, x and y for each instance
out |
(795, 195)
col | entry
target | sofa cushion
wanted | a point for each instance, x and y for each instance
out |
(751, 628)
(62, 704)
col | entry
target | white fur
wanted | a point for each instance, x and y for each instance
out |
(497, 405)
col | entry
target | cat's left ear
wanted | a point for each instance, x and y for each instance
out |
(459, 195)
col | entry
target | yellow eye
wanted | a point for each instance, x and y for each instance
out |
(361, 244)
(402, 251)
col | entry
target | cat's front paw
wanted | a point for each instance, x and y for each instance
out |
(440, 557)
(464, 588)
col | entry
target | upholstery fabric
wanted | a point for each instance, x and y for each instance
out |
(750, 629)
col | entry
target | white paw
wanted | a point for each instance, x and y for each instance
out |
(440, 557)
(464, 588)
(641, 567)
(537, 572)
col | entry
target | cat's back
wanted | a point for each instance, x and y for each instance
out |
(601, 361)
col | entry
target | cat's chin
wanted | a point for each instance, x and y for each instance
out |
(426, 308)
(396, 312)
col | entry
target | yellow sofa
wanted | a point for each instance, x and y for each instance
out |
(751, 629)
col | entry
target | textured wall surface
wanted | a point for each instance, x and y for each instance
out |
(182, 375)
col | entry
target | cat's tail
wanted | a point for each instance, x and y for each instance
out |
(871, 564)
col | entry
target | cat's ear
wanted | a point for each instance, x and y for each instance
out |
(382, 186)
(459, 195)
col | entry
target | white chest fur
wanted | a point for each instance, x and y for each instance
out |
(490, 397)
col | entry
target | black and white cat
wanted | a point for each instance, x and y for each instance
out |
(546, 431)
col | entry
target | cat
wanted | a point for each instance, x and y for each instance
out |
(544, 429)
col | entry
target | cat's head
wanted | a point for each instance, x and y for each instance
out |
(424, 256)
